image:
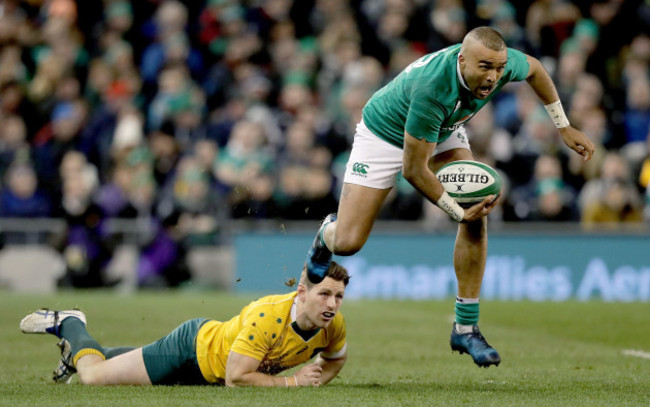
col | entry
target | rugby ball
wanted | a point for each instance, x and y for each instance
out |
(469, 182)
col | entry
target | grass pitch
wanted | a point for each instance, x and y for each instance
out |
(553, 354)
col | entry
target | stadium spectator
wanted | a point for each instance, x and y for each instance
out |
(112, 195)
(619, 202)
(170, 21)
(305, 183)
(116, 101)
(202, 210)
(549, 24)
(85, 244)
(13, 142)
(270, 335)
(594, 124)
(246, 167)
(166, 152)
(57, 138)
(545, 197)
(637, 113)
(21, 197)
(12, 69)
(613, 168)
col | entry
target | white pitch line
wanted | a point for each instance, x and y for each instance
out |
(636, 353)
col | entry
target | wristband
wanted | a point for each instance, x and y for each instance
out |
(286, 381)
(451, 207)
(556, 112)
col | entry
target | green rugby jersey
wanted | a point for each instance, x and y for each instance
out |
(427, 99)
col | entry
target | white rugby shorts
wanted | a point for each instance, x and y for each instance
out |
(375, 163)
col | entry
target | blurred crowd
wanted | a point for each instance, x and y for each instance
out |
(184, 115)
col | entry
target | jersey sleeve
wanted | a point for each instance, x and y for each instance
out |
(518, 66)
(425, 115)
(255, 338)
(336, 342)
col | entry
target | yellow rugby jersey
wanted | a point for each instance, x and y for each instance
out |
(265, 330)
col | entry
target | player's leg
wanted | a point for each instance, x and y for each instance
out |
(370, 175)
(80, 352)
(357, 211)
(65, 369)
(470, 254)
(345, 232)
(127, 368)
(170, 360)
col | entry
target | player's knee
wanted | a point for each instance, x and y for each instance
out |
(347, 245)
(88, 377)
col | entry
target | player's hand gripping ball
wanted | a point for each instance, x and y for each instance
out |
(469, 182)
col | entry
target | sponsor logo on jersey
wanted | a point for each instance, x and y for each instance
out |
(360, 169)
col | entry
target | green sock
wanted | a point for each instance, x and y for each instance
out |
(112, 352)
(74, 331)
(466, 314)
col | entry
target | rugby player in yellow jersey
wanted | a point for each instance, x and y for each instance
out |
(270, 335)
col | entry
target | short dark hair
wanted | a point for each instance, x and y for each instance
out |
(489, 37)
(336, 272)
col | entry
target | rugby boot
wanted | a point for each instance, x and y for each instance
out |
(475, 344)
(319, 256)
(45, 321)
(64, 370)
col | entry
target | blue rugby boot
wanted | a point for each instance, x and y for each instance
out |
(319, 256)
(475, 344)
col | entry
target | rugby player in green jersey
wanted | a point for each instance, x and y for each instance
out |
(415, 124)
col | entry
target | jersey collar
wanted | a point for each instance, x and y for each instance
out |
(460, 76)
(294, 308)
(305, 335)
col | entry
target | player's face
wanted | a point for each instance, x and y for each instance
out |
(482, 68)
(323, 301)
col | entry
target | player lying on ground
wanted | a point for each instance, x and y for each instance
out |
(270, 335)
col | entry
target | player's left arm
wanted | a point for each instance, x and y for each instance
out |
(541, 82)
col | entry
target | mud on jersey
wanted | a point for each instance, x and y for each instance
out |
(427, 99)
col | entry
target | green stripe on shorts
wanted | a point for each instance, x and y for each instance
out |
(172, 359)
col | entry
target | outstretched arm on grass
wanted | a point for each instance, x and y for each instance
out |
(241, 370)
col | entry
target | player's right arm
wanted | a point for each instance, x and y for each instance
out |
(241, 370)
(416, 171)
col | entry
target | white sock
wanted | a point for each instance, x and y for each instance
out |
(467, 300)
(464, 329)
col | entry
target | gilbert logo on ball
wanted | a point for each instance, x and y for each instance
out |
(469, 182)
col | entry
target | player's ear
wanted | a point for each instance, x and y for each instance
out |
(302, 291)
